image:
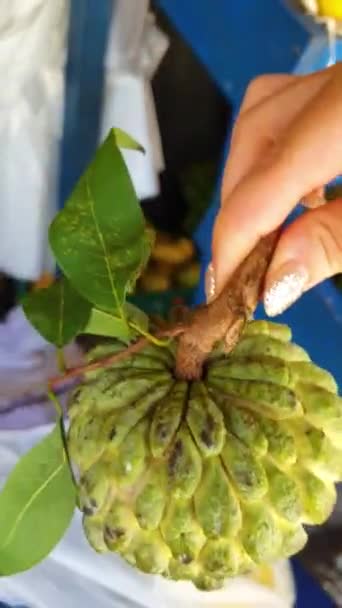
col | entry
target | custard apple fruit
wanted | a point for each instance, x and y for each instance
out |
(206, 480)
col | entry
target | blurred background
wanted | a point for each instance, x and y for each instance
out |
(172, 73)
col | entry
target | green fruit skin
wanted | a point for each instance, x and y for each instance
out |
(206, 480)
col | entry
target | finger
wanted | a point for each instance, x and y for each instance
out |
(262, 87)
(309, 251)
(258, 127)
(301, 162)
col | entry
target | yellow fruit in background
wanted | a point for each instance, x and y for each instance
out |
(189, 275)
(172, 251)
(153, 281)
(161, 268)
(330, 8)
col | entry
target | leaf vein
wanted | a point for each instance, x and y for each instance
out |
(103, 244)
(34, 496)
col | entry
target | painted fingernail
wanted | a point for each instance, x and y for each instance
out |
(210, 283)
(284, 288)
(314, 199)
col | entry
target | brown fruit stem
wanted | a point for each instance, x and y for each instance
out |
(225, 317)
(200, 330)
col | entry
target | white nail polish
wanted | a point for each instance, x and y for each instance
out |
(210, 283)
(283, 292)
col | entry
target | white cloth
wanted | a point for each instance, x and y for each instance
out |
(135, 49)
(32, 58)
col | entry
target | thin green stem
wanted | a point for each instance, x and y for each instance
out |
(148, 336)
(59, 411)
(61, 360)
(55, 402)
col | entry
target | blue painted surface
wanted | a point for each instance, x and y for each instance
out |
(3, 605)
(309, 594)
(88, 35)
(230, 38)
(317, 54)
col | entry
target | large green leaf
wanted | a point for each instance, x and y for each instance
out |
(99, 238)
(102, 323)
(36, 505)
(58, 312)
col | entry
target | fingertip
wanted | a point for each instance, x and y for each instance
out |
(284, 285)
(307, 253)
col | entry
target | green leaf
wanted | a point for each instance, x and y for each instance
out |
(137, 316)
(102, 323)
(99, 238)
(58, 312)
(124, 140)
(36, 505)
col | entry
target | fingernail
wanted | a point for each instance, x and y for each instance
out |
(314, 199)
(210, 283)
(284, 287)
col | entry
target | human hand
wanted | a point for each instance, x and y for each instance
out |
(286, 143)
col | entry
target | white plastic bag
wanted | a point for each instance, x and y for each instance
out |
(135, 49)
(32, 58)
(27, 362)
(241, 592)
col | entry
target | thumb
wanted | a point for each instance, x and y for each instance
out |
(309, 251)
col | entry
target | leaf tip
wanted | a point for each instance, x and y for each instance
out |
(124, 140)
